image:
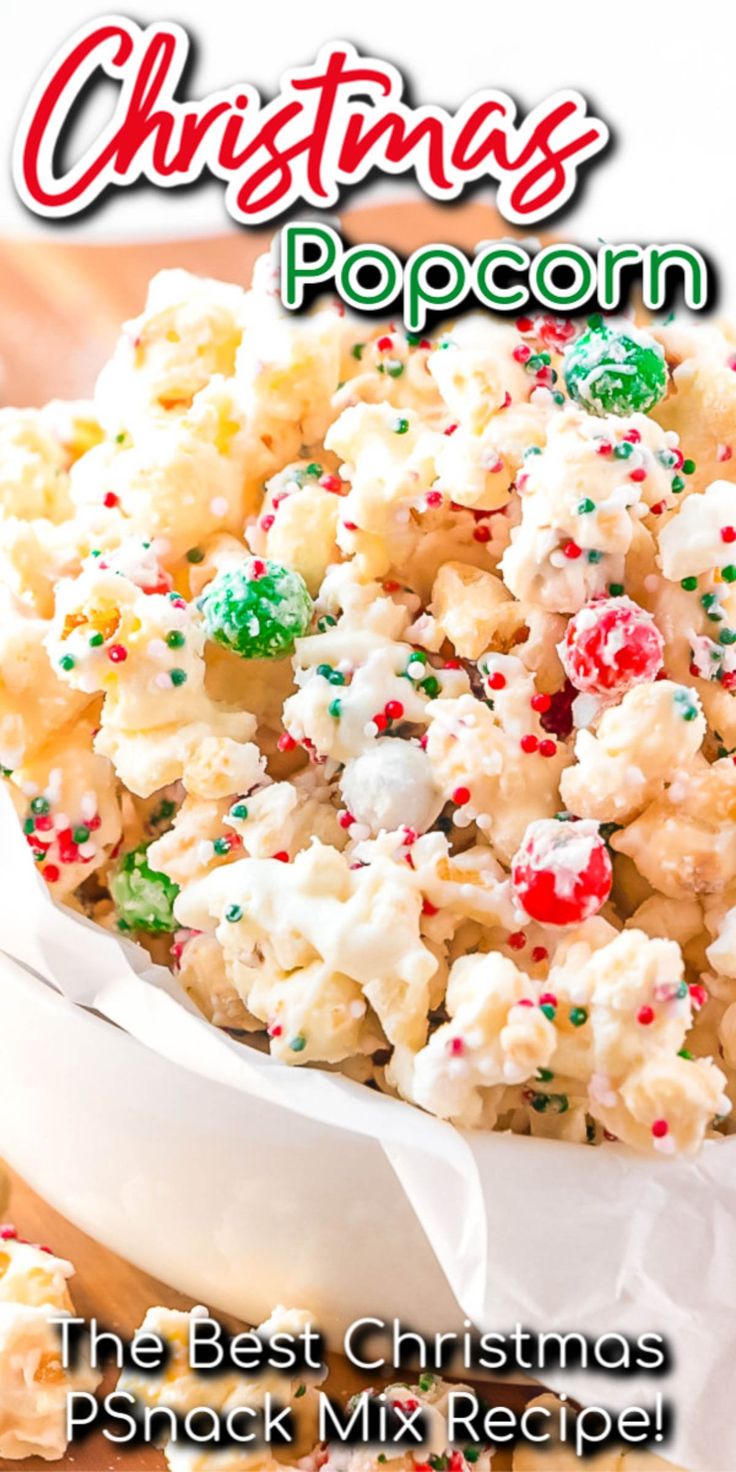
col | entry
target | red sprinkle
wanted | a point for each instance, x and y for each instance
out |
(394, 710)
(540, 702)
(258, 568)
(384, 344)
(548, 999)
(450, 429)
(434, 498)
(456, 1046)
(529, 743)
(8, 1234)
(350, 526)
(547, 748)
(632, 436)
(522, 353)
(110, 499)
(540, 953)
(51, 873)
(266, 523)
(658, 508)
(517, 940)
(460, 796)
(282, 856)
(571, 550)
(728, 533)
(286, 742)
(698, 995)
(497, 681)
(645, 1015)
(482, 534)
(638, 474)
(428, 908)
(660, 1128)
(524, 324)
(380, 721)
(604, 448)
(346, 820)
(117, 653)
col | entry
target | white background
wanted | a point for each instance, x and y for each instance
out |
(660, 74)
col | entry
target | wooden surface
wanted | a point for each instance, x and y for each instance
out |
(61, 307)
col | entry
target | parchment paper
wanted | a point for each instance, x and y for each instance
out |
(538, 1232)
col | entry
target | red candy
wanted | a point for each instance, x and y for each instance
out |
(610, 646)
(562, 873)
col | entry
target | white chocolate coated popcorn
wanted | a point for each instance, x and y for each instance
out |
(342, 820)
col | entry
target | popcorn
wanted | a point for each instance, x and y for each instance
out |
(34, 1385)
(405, 671)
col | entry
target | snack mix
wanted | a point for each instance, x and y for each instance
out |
(385, 688)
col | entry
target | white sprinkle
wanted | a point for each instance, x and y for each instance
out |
(205, 850)
(359, 832)
(61, 822)
(88, 805)
(156, 649)
(370, 729)
(162, 680)
(87, 850)
(219, 506)
(357, 1009)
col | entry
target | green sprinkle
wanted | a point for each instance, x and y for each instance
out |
(95, 640)
(299, 1392)
(549, 1011)
(119, 438)
(80, 834)
(298, 1044)
(578, 1016)
(400, 425)
(685, 1053)
(727, 636)
(29, 825)
(729, 573)
(325, 670)
(708, 599)
(325, 622)
(689, 584)
(357, 350)
(334, 709)
(221, 846)
(240, 811)
(688, 466)
(595, 556)
(233, 914)
(678, 484)
(531, 450)
(557, 397)
(195, 554)
(431, 686)
(544, 1075)
(175, 639)
(534, 363)
(437, 1463)
(595, 321)
(586, 506)
(616, 590)
(413, 339)
(178, 677)
(624, 450)
(40, 805)
(67, 662)
(667, 458)
(425, 1383)
(471, 1454)
(313, 469)
(394, 369)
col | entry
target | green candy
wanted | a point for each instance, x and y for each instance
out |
(143, 898)
(257, 609)
(615, 371)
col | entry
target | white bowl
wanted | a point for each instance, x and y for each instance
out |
(227, 1198)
